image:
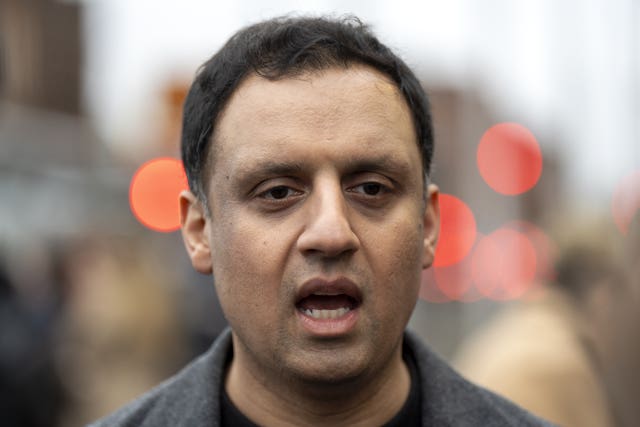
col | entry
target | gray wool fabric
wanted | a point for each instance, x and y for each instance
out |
(192, 397)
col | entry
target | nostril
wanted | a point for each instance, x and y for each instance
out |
(328, 239)
(328, 249)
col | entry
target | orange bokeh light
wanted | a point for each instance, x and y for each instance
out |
(504, 264)
(154, 191)
(457, 231)
(626, 201)
(509, 158)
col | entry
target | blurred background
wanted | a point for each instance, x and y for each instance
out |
(537, 116)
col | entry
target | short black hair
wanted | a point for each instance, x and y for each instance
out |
(284, 47)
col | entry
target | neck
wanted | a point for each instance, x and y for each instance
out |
(372, 399)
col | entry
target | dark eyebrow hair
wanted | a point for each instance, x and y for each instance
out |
(259, 170)
(377, 163)
(268, 168)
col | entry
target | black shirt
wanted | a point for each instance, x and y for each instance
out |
(409, 415)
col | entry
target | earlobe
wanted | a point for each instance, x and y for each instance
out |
(194, 224)
(431, 225)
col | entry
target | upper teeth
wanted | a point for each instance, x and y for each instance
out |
(326, 314)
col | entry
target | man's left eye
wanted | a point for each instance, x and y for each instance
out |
(370, 188)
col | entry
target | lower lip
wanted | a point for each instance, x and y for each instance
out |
(329, 327)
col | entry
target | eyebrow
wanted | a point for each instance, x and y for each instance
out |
(373, 163)
(265, 169)
(269, 168)
(390, 164)
(249, 175)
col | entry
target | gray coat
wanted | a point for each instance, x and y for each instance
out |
(192, 397)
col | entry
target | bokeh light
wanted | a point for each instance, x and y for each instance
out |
(456, 281)
(504, 264)
(546, 249)
(154, 191)
(509, 158)
(429, 290)
(457, 231)
(626, 201)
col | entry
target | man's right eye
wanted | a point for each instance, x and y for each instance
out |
(279, 192)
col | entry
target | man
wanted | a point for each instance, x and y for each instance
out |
(588, 316)
(307, 145)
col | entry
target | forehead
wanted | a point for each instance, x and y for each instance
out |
(352, 109)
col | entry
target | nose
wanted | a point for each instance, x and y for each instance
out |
(328, 230)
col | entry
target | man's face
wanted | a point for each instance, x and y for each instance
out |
(319, 224)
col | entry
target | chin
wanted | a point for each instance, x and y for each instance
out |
(334, 367)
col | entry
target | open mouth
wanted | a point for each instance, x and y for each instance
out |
(323, 306)
(326, 300)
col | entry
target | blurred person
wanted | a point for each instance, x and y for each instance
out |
(307, 145)
(121, 333)
(620, 336)
(31, 392)
(563, 356)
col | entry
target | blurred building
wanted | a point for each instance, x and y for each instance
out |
(52, 166)
(65, 199)
(461, 116)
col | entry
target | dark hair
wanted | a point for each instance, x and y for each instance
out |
(283, 47)
(582, 267)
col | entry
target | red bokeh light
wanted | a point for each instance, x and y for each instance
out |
(546, 249)
(504, 264)
(456, 281)
(626, 201)
(154, 191)
(429, 291)
(457, 231)
(509, 158)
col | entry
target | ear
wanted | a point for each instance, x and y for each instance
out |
(431, 225)
(195, 232)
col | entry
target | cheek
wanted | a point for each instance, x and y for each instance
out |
(247, 269)
(397, 257)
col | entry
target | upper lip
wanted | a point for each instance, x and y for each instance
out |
(321, 286)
